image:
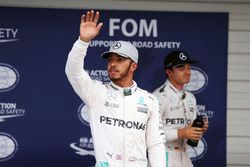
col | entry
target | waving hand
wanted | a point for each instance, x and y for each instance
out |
(89, 27)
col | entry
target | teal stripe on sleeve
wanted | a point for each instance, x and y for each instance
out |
(102, 164)
(166, 159)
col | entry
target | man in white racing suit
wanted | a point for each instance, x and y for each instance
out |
(178, 109)
(124, 119)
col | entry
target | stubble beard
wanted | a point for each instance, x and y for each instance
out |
(121, 76)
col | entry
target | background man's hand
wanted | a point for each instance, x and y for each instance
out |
(190, 132)
(89, 27)
(205, 126)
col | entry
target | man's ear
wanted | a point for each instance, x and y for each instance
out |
(168, 72)
(133, 66)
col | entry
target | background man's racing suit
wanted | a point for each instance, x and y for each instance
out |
(177, 109)
(124, 122)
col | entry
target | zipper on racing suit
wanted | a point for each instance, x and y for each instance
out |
(126, 92)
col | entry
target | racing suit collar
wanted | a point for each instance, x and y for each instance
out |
(182, 93)
(126, 91)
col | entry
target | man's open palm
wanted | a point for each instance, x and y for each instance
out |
(89, 27)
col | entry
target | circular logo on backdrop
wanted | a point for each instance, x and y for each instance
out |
(196, 153)
(9, 77)
(8, 146)
(198, 80)
(83, 114)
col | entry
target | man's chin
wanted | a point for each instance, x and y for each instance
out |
(114, 79)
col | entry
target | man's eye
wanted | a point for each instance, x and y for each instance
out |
(180, 68)
(121, 59)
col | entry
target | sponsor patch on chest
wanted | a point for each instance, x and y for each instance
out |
(141, 106)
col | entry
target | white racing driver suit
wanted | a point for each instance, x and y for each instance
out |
(124, 123)
(178, 109)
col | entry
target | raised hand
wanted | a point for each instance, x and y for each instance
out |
(89, 27)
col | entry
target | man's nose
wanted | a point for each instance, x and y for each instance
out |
(112, 63)
(187, 71)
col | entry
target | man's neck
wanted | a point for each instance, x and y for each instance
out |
(123, 84)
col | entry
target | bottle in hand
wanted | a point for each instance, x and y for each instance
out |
(198, 122)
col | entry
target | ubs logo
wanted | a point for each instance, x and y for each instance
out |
(83, 114)
(198, 81)
(8, 146)
(9, 77)
(196, 153)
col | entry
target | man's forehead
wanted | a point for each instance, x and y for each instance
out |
(181, 65)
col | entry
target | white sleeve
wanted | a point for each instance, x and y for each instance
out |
(77, 76)
(155, 138)
(157, 155)
(171, 134)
